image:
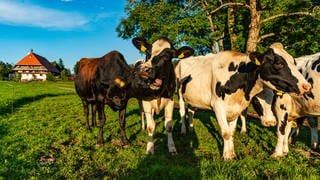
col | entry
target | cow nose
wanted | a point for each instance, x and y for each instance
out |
(306, 87)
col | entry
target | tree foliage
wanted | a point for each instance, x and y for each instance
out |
(5, 69)
(64, 72)
(207, 24)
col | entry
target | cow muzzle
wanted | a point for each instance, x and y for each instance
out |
(156, 84)
(304, 88)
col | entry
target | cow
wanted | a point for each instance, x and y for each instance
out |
(158, 63)
(226, 82)
(108, 80)
(292, 108)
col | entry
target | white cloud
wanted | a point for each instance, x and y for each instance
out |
(34, 15)
(66, 0)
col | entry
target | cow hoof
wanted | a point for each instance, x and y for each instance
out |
(269, 123)
(183, 130)
(150, 148)
(173, 150)
(278, 155)
(191, 129)
(125, 142)
(99, 145)
(173, 153)
(229, 156)
(126, 146)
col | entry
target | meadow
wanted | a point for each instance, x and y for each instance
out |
(42, 136)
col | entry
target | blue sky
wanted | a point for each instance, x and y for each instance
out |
(66, 29)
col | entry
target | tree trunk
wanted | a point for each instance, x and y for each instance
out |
(231, 25)
(254, 27)
(204, 6)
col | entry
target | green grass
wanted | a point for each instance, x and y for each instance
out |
(46, 120)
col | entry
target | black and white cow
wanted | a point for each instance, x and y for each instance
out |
(226, 82)
(160, 70)
(289, 108)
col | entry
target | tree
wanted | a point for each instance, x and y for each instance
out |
(230, 24)
(75, 68)
(5, 69)
(64, 74)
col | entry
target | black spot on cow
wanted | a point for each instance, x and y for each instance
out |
(315, 64)
(184, 82)
(306, 76)
(244, 79)
(232, 67)
(247, 67)
(310, 80)
(219, 90)
(295, 62)
(283, 124)
(300, 70)
(310, 95)
(257, 106)
(283, 107)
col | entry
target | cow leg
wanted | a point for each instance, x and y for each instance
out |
(295, 131)
(313, 122)
(150, 126)
(229, 146)
(286, 138)
(182, 111)
(191, 115)
(226, 131)
(86, 113)
(102, 120)
(282, 107)
(168, 126)
(122, 122)
(243, 116)
(93, 114)
(143, 127)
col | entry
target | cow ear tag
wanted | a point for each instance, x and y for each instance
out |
(119, 82)
(143, 48)
(181, 56)
(257, 62)
(279, 93)
(294, 124)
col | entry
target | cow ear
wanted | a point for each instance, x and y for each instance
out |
(141, 44)
(184, 52)
(119, 81)
(256, 58)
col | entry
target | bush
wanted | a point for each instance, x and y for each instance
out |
(50, 77)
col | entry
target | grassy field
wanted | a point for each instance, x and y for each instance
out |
(42, 136)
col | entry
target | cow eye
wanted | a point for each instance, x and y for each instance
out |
(278, 65)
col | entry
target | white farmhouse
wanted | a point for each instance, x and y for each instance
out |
(34, 67)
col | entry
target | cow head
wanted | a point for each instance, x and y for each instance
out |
(262, 103)
(116, 96)
(157, 66)
(278, 71)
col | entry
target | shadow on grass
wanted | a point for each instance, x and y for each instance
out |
(163, 165)
(15, 104)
